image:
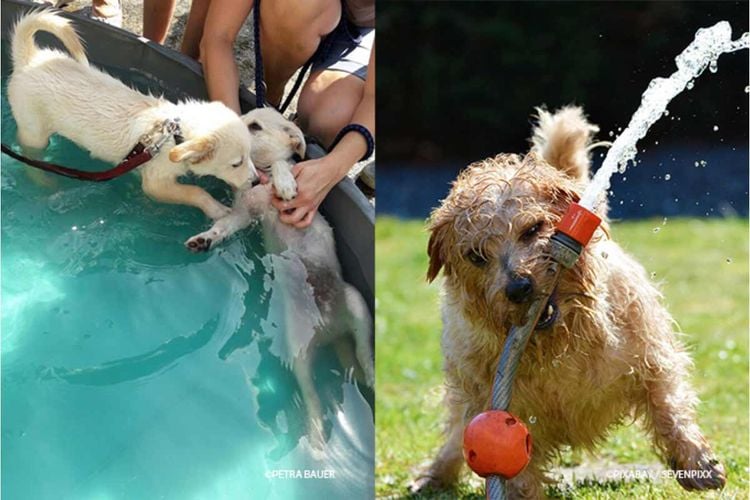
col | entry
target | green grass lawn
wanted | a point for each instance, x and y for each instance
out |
(703, 267)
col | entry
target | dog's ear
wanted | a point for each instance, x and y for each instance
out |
(563, 140)
(194, 151)
(252, 122)
(436, 246)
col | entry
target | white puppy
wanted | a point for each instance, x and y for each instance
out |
(51, 92)
(343, 311)
(275, 141)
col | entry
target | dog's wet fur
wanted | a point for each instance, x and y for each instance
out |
(347, 323)
(609, 354)
(54, 92)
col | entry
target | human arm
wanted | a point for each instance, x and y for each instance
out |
(315, 178)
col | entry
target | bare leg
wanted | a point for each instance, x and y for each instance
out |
(191, 39)
(157, 16)
(327, 103)
(171, 191)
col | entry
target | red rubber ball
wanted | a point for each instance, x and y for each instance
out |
(497, 443)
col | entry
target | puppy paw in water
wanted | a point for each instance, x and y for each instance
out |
(198, 243)
(286, 186)
(218, 211)
(701, 473)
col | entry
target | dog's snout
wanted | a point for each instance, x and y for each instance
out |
(519, 288)
(298, 145)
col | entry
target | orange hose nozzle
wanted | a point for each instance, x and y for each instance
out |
(579, 223)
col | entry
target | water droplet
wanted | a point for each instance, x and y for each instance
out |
(653, 275)
(667, 177)
(729, 260)
(723, 355)
(716, 128)
(747, 89)
(532, 419)
(605, 254)
(664, 222)
(656, 143)
(74, 228)
(666, 112)
(690, 85)
(656, 229)
(621, 202)
(713, 66)
(611, 133)
(101, 221)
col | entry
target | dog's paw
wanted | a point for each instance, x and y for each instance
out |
(285, 185)
(426, 484)
(702, 473)
(198, 243)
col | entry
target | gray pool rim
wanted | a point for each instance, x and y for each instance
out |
(346, 209)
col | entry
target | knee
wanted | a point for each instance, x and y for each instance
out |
(210, 40)
(323, 109)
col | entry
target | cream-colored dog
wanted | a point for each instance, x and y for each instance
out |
(345, 319)
(52, 92)
(604, 351)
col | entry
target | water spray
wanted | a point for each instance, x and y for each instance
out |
(497, 445)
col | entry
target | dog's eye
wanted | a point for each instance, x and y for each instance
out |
(255, 127)
(532, 231)
(476, 259)
(237, 163)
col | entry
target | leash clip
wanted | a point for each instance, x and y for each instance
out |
(169, 128)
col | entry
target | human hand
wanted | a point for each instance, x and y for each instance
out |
(315, 178)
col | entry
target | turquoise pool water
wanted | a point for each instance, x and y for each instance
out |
(134, 369)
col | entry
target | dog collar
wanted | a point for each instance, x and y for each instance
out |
(148, 146)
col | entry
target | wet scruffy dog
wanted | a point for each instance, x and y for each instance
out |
(605, 348)
(52, 92)
(346, 321)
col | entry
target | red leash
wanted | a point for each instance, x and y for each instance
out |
(139, 155)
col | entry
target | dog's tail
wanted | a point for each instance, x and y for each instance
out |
(563, 140)
(24, 46)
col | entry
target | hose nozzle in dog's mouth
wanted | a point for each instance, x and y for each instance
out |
(573, 233)
(549, 315)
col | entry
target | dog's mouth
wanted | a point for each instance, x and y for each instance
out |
(549, 314)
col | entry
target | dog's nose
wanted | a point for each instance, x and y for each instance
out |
(519, 288)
